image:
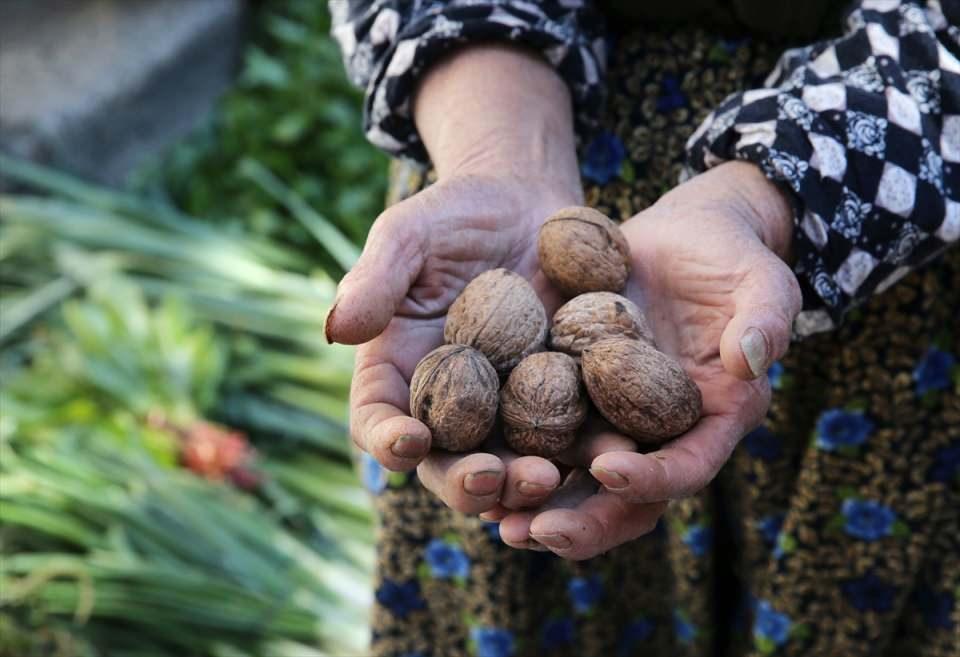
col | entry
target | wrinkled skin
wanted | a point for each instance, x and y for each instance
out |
(707, 267)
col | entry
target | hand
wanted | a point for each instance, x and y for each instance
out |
(709, 268)
(498, 128)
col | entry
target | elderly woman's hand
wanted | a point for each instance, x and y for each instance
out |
(709, 268)
(497, 123)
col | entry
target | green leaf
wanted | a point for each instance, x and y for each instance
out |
(851, 451)
(627, 172)
(900, 529)
(847, 493)
(262, 69)
(290, 127)
(342, 250)
(786, 543)
(836, 524)
(764, 645)
(931, 399)
(423, 571)
(718, 54)
(677, 525)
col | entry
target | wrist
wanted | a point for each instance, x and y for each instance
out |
(741, 190)
(763, 204)
(497, 110)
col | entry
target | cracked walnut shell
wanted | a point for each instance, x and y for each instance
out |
(595, 316)
(542, 404)
(581, 250)
(454, 392)
(644, 393)
(500, 315)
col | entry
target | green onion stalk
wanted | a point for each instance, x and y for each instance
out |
(175, 476)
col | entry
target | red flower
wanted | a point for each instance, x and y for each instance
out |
(218, 454)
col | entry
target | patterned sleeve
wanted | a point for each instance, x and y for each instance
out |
(386, 44)
(865, 131)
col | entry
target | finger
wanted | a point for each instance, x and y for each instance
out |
(588, 447)
(469, 483)
(759, 333)
(497, 513)
(530, 480)
(380, 395)
(515, 531)
(379, 424)
(600, 523)
(577, 487)
(682, 467)
(368, 296)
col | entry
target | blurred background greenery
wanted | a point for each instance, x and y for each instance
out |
(175, 476)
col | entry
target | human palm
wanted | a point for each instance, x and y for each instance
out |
(721, 301)
(419, 256)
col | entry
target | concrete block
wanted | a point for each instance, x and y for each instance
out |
(97, 86)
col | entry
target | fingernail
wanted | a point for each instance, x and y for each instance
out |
(485, 482)
(531, 489)
(409, 447)
(533, 545)
(329, 321)
(609, 478)
(753, 344)
(557, 541)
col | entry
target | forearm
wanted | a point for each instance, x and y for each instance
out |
(497, 108)
(742, 189)
(389, 46)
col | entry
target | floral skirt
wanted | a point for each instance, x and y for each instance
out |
(833, 530)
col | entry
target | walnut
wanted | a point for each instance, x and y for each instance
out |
(454, 392)
(542, 404)
(499, 314)
(595, 316)
(581, 250)
(641, 391)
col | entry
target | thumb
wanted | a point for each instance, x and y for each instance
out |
(369, 295)
(767, 301)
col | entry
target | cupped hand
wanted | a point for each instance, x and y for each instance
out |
(497, 123)
(709, 269)
(419, 256)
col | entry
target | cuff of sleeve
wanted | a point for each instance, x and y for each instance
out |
(746, 127)
(569, 46)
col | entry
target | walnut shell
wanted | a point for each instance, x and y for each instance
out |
(641, 391)
(499, 314)
(542, 404)
(454, 392)
(596, 316)
(581, 250)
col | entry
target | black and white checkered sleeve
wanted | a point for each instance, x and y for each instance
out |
(865, 131)
(387, 44)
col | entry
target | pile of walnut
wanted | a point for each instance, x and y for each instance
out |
(497, 330)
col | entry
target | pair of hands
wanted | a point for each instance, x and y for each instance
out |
(708, 269)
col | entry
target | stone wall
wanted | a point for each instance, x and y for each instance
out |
(98, 86)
